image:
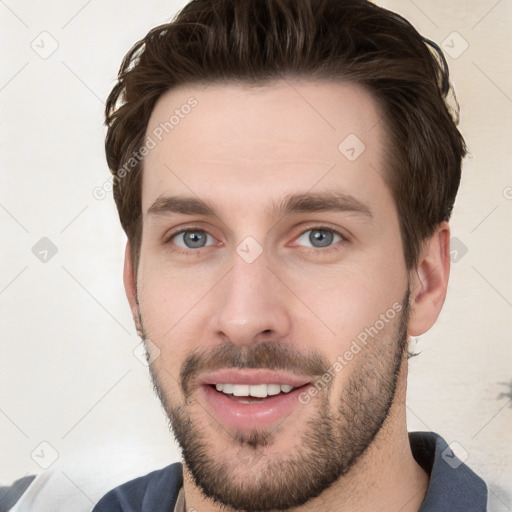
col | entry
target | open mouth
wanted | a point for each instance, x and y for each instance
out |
(252, 405)
(251, 394)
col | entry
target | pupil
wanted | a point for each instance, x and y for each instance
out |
(321, 237)
(195, 239)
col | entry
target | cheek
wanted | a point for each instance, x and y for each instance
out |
(349, 300)
(165, 321)
(364, 346)
(170, 300)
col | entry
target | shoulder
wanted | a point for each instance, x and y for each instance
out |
(453, 485)
(154, 492)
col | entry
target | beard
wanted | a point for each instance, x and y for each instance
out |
(333, 438)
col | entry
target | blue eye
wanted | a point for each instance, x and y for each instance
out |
(320, 237)
(191, 239)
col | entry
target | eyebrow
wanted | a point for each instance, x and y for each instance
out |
(289, 204)
(319, 202)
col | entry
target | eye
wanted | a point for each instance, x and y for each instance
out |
(191, 239)
(320, 237)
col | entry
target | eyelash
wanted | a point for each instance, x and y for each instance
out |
(309, 250)
(328, 250)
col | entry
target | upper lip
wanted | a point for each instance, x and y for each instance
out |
(252, 377)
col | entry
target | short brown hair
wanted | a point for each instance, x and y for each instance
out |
(257, 41)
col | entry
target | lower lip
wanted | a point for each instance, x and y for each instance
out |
(260, 414)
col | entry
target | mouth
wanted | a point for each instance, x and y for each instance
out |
(255, 393)
(251, 399)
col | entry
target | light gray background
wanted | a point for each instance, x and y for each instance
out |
(69, 372)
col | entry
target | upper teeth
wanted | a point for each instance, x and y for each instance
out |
(258, 390)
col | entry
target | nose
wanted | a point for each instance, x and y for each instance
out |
(251, 304)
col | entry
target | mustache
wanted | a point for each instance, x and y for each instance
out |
(269, 355)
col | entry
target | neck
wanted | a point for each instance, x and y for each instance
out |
(386, 478)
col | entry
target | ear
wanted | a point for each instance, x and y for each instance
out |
(130, 287)
(429, 281)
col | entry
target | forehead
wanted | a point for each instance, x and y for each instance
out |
(231, 143)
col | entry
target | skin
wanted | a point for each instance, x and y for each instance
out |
(241, 149)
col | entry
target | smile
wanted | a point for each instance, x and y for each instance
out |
(257, 390)
(252, 398)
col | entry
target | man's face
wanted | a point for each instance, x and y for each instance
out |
(270, 290)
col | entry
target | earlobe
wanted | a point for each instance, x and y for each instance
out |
(130, 287)
(429, 281)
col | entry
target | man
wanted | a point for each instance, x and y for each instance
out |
(285, 171)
